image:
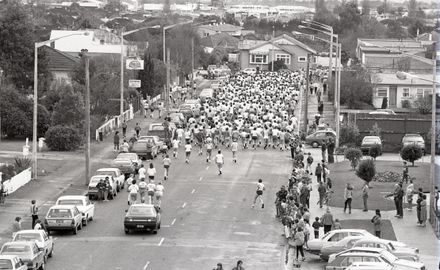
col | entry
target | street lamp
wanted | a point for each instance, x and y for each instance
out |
(35, 113)
(122, 62)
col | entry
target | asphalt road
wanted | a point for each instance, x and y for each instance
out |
(206, 219)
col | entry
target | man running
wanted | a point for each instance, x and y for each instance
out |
(259, 195)
(234, 148)
(209, 145)
(187, 151)
(219, 160)
(166, 166)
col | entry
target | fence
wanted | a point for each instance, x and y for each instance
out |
(17, 181)
(112, 124)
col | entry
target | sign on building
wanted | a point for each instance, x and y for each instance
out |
(134, 64)
(134, 83)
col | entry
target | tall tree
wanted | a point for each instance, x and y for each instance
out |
(366, 7)
(166, 7)
(412, 8)
(349, 15)
(146, 76)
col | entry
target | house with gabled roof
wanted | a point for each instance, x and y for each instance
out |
(60, 64)
(259, 53)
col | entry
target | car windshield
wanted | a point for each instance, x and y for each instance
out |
(28, 237)
(371, 140)
(125, 156)
(95, 180)
(59, 213)
(113, 173)
(141, 211)
(13, 249)
(388, 256)
(5, 264)
(70, 202)
(157, 127)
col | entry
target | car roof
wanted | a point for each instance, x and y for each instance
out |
(101, 176)
(62, 207)
(142, 205)
(30, 231)
(348, 254)
(20, 243)
(107, 169)
(8, 257)
(72, 197)
(349, 230)
(372, 137)
(367, 249)
(373, 239)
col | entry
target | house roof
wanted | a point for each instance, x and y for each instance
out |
(220, 40)
(390, 43)
(222, 27)
(59, 61)
(391, 79)
(286, 47)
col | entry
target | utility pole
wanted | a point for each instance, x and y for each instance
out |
(338, 94)
(192, 63)
(432, 212)
(87, 124)
(122, 77)
(167, 91)
(306, 92)
(164, 54)
(273, 49)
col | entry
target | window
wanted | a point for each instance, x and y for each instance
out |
(284, 57)
(419, 93)
(302, 59)
(258, 59)
(338, 236)
(382, 92)
(405, 93)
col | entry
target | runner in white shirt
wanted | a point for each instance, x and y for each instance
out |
(142, 171)
(209, 145)
(151, 188)
(133, 190)
(234, 148)
(159, 193)
(187, 151)
(175, 145)
(166, 165)
(151, 172)
(259, 194)
(219, 160)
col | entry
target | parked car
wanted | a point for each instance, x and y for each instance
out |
(343, 244)
(178, 119)
(83, 204)
(40, 237)
(127, 163)
(186, 110)
(28, 252)
(117, 175)
(158, 129)
(140, 148)
(398, 249)
(416, 139)
(370, 266)
(142, 217)
(332, 237)
(383, 111)
(206, 94)
(63, 218)
(12, 262)
(249, 71)
(370, 141)
(315, 139)
(155, 139)
(93, 190)
(371, 255)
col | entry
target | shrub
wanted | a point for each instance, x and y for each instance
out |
(366, 170)
(353, 155)
(349, 134)
(406, 104)
(61, 138)
(423, 105)
(374, 151)
(22, 164)
(411, 153)
(8, 171)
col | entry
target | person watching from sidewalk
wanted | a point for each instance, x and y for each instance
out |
(322, 192)
(218, 267)
(410, 194)
(116, 141)
(327, 221)
(309, 162)
(239, 265)
(38, 225)
(125, 146)
(16, 226)
(299, 239)
(34, 212)
(316, 225)
(365, 190)
(107, 188)
(377, 222)
(124, 128)
(281, 196)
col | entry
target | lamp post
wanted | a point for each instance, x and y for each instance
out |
(121, 85)
(35, 98)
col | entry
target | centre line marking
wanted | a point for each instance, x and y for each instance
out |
(166, 226)
(161, 241)
(200, 179)
(207, 167)
(174, 221)
(184, 204)
(192, 192)
(146, 265)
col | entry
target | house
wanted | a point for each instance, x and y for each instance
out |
(226, 41)
(60, 64)
(209, 30)
(96, 41)
(385, 55)
(400, 90)
(258, 53)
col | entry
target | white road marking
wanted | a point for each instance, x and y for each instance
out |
(242, 233)
(183, 205)
(200, 179)
(146, 265)
(160, 242)
(192, 192)
(174, 221)
(166, 226)
(207, 167)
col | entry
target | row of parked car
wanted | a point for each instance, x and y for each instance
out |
(356, 249)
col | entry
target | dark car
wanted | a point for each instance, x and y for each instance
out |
(370, 141)
(416, 139)
(140, 148)
(142, 217)
(315, 139)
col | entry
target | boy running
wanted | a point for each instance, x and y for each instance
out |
(166, 166)
(219, 160)
(209, 145)
(234, 148)
(187, 151)
(259, 195)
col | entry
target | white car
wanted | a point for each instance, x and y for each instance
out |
(40, 237)
(398, 249)
(332, 237)
(12, 262)
(117, 175)
(383, 256)
(83, 204)
(249, 71)
(370, 266)
(93, 190)
(343, 244)
(63, 218)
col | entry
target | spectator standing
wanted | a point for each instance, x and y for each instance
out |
(318, 172)
(327, 221)
(16, 226)
(137, 129)
(365, 190)
(410, 194)
(299, 239)
(281, 196)
(116, 141)
(309, 162)
(34, 212)
(377, 222)
(348, 196)
(316, 225)
(405, 174)
(239, 265)
(323, 150)
(423, 211)
(321, 191)
(124, 128)
(398, 200)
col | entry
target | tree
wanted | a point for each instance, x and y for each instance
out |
(412, 8)
(366, 170)
(349, 135)
(395, 30)
(17, 46)
(62, 138)
(366, 7)
(349, 16)
(354, 155)
(424, 105)
(79, 73)
(356, 89)
(69, 110)
(148, 83)
(411, 153)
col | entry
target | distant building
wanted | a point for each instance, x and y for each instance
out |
(60, 64)
(226, 41)
(257, 53)
(209, 30)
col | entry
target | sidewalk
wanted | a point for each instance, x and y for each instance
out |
(68, 178)
(405, 229)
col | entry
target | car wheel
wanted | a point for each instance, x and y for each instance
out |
(155, 231)
(85, 221)
(91, 218)
(158, 226)
(75, 230)
(315, 144)
(127, 231)
(90, 197)
(50, 255)
(118, 188)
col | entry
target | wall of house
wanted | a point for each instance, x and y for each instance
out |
(295, 64)
(392, 64)
(413, 94)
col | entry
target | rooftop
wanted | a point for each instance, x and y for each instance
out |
(391, 78)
